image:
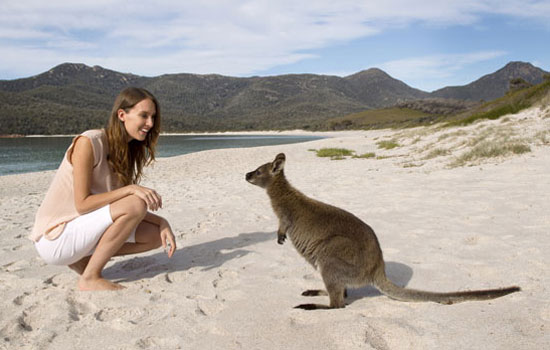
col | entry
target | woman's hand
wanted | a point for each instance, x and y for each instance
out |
(167, 238)
(148, 195)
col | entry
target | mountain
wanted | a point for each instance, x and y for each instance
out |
(74, 74)
(495, 85)
(378, 89)
(72, 97)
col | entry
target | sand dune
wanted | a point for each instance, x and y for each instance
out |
(442, 227)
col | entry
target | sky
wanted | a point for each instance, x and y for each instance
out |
(426, 44)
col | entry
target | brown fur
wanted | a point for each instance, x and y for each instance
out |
(343, 248)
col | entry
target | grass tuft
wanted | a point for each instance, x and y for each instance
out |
(366, 155)
(387, 144)
(334, 153)
(491, 149)
(438, 152)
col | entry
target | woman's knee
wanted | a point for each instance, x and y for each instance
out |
(131, 206)
(138, 207)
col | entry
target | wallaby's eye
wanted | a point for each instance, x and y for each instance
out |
(258, 172)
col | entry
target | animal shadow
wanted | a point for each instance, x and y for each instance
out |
(397, 272)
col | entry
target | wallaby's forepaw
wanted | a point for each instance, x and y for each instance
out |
(281, 239)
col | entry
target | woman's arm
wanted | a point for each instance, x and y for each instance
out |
(166, 235)
(83, 162)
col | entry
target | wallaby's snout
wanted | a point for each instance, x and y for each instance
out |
(265, 174)
(255, 177)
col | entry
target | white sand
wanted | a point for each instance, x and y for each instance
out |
(231, 286)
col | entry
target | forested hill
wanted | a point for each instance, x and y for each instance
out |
(73, 97)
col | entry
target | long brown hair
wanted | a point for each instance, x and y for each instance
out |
(127, 159)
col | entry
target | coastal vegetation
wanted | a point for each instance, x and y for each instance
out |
(491, 149)
(342, 153)
(513, 102)
(387, 144)
(334, 153)
(366, 155)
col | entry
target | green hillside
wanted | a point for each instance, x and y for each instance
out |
(513, 102)
(449, 112)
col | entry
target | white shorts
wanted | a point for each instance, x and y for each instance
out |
(79, 238)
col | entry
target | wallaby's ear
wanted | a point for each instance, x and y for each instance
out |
(278, 164)
(280, 156)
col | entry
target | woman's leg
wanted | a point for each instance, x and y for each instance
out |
(126, 213)
(80, 265)
(147, 237)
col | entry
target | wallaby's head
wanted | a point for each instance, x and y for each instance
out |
(264, 175)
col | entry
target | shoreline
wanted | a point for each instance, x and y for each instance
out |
(210, 136)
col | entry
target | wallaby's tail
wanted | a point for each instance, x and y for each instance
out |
(403, 294)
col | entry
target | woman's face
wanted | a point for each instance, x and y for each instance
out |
(139, 120)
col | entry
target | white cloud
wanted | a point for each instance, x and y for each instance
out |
(213, 36)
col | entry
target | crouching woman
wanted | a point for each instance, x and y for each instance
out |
(94, 208)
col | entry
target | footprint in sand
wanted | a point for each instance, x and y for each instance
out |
(16, 247)
(228, 278)
(225, 284)
(177, 276)
(64, 280)
(80, 309)
(20, 298)
(375, 340)
(472, 240)
(159, 343)
(121, 318)
(24, 324)
(15, 266)
(209, 307)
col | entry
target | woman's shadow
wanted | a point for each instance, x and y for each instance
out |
(208, 255)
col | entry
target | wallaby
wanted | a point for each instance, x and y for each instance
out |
(343, 248)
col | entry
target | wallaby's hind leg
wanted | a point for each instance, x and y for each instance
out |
(336, 294)
(334, 287)
(314, 293)
(311, 307)
(319, 292)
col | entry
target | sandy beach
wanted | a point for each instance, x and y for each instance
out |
(445, 222)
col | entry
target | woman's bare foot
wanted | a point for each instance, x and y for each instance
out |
(87, 284)
(80, 265)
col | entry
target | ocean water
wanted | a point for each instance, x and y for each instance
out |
(29, 154)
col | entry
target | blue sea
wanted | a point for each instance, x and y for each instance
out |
(28, 154)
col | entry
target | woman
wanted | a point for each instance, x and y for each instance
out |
(94, 208)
